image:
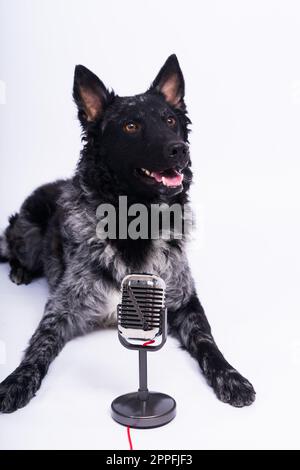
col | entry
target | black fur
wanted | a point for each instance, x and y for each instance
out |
(54, 234)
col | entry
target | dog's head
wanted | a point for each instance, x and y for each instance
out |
(142, 139)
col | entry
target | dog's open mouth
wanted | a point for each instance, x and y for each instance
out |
(171, 177)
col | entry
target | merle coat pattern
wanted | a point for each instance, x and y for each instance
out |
(54, 234)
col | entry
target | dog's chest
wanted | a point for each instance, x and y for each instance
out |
(154, 258)
(160, 259)
(110, 312)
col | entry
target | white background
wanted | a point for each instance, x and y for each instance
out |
(242, 67)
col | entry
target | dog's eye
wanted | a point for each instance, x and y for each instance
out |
(131, 127)
(171, 121)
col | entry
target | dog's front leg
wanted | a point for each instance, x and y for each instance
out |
(60, 324)
(190, 325)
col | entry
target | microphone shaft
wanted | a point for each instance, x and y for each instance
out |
(143, 388)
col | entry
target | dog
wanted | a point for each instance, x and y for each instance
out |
(135, 146)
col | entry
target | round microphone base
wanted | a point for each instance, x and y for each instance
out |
(158, 409)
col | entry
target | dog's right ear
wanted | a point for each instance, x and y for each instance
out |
(90, 95)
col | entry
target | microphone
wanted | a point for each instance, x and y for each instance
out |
(142, 326)
(142, 313)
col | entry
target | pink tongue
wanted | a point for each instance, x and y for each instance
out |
(174, 180)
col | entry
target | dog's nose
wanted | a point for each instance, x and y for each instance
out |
(178, 150)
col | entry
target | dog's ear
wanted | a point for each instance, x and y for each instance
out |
(170, 82)
(89, 94)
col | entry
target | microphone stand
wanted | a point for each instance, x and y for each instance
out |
(143, 409)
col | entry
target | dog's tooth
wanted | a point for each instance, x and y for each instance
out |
(147, 172)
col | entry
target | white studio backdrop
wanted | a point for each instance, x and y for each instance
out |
(242, 69)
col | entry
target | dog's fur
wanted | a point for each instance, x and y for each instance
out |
(54, 234)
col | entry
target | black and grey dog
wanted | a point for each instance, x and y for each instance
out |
(135, 146)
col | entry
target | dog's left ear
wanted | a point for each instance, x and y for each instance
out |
(170, 82)
(90, 95)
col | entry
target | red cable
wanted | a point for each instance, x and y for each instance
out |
(129, 438)
(128, 428)
(149, 342)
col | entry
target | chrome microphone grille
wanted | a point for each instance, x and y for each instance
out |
(139, 314)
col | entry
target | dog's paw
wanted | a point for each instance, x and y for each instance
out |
(18, 388)
(20, 275)
(231, 387)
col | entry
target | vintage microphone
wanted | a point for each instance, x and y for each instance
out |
(142, 325)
